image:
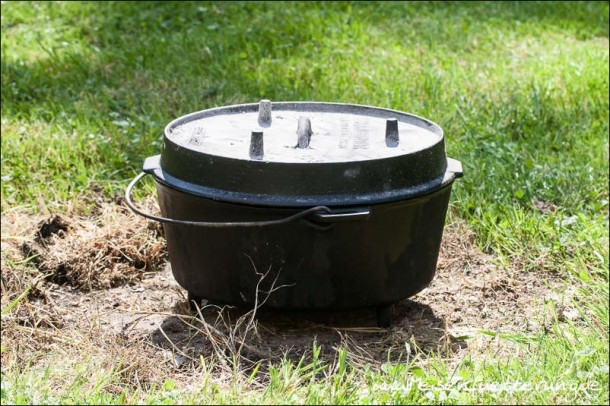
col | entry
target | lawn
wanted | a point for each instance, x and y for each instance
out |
(520, 89)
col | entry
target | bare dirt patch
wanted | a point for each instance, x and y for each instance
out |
(101, 287)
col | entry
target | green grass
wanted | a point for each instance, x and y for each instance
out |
(520, 89)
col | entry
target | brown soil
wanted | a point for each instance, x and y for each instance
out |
(101, 287)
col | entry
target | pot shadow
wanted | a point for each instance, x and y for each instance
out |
(275, 334)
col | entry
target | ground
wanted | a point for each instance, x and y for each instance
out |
(102, 288)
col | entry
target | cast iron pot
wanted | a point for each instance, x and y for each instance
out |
(300, 205)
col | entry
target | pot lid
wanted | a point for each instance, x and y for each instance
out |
(300, 153)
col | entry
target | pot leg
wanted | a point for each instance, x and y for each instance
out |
(194, 302)
(383, 316)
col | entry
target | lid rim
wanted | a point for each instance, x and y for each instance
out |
(277, 200)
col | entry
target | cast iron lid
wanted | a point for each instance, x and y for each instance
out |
(303, 153)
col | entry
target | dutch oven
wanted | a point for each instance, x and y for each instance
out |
(302, 205)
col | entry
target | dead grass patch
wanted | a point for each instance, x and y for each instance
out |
(111, 249)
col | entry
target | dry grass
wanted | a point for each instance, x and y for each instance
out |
(105, 251)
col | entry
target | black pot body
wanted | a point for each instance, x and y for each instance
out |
(369, 261)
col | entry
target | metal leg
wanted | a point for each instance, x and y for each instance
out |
(194, 302)
(383, 316)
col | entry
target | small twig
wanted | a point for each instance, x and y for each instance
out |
(252, 322)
